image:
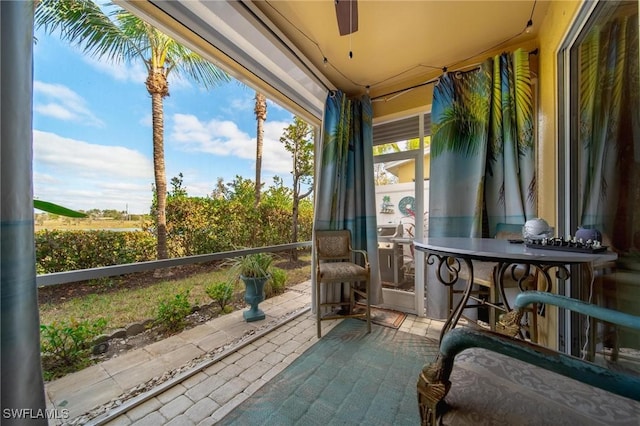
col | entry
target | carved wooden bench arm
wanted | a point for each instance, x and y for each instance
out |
(510, 323)
(364, 255)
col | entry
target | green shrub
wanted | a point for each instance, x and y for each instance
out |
(59, 251)
(197, 225)
(221, 292)
(277, 282)
(172, 311)
(65, 346)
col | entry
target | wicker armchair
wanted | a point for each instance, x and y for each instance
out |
(336, 264)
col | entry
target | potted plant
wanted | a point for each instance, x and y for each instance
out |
(254, 271)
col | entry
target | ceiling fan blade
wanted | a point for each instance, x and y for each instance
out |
(347, 14)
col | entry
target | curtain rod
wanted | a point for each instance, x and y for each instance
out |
(435, 80)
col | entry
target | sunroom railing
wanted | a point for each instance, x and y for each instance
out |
(114, 270)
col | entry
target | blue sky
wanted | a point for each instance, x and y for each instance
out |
(92, 132)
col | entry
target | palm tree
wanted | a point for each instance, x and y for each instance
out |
(260, 110)
(119, 37)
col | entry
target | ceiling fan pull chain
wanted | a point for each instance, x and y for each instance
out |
(350, 28)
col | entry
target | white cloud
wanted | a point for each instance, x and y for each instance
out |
(63, 103)
(55, 111)
(242, 103)
(224, 138)
(44, 178)
(89, 160)
(274, 105)
(179, 81)
(81, 175)
(276, 158)
(247, 102)
(195, 185)
(135, 72)
(146, 120)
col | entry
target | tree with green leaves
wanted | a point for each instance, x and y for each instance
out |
(298, 140)
(177, 186)
(118, 36)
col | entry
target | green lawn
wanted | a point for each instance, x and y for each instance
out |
(122, 306)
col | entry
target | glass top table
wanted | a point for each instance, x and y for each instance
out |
(450, 252)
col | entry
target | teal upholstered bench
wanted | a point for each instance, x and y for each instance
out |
(434, 382)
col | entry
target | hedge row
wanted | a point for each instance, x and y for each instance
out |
(194, 226)
(58, 251)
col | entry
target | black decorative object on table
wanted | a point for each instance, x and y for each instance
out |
(567, 245)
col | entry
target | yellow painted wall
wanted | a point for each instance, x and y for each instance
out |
(555, 26)
(406, 172)
(552, 32)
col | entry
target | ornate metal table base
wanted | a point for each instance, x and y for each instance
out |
(448, 273)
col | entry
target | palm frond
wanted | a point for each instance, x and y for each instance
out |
(137, 31)
(120, 36)
(84, 24)
(191, 64)
(49, 207)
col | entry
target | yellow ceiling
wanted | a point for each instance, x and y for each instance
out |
(399, 43)
(278, 47)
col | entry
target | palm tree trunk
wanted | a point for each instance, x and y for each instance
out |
(261, 115)
(158, 87)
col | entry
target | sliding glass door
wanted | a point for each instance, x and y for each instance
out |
(600, 151)
(399, 157)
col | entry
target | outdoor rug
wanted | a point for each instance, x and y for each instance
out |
(348, 377)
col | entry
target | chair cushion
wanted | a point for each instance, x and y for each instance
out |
(333, 244)
(483, 274)
(342, 271)
(483, 271)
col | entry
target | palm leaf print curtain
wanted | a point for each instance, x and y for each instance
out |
(510, 194)
(482, 149)
(482, 155)
(460, 120)
(608, 65)
(345, 185)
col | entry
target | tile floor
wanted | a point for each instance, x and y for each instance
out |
(216, 366)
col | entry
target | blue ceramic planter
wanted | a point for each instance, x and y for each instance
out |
(253, 295)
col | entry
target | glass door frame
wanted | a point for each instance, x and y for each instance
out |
(569, 328)
(417, 155)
